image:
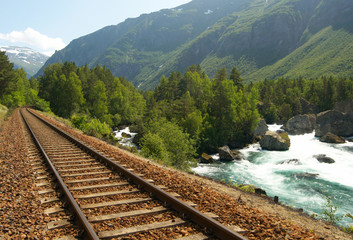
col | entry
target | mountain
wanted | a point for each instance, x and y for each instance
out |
(263, 38)
(26, 58)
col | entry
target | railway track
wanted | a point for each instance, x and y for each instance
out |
(101, 199)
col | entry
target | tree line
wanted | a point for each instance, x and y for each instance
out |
(185, 115)
(282, 99)
(16, 89)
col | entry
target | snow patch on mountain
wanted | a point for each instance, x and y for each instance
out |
(26, 58)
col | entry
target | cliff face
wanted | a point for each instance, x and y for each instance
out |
(262, 39)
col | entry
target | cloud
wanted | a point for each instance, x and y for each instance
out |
(35, 39)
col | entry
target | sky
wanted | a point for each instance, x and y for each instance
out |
(49, 25)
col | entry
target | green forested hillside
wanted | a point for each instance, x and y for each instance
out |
(264, 39)
(328, 52)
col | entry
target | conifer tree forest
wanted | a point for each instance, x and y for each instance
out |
(187, 114)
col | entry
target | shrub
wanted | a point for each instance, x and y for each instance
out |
(173, 147)
(153, 147)
(79, 121)
(92, 127)
(329, 211)
(97, 129)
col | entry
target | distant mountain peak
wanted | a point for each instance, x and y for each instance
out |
(23, 57)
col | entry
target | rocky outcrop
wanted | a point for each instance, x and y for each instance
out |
(291, 161)
(300, 124)
(306, 175)
(324, 159)
(205, 158)
(336, 122)
(275, 141)
(261, 128)
(344, 106)
(237, 155)
(225, 153)
(125, 135)
(331, 138)
(260, 191)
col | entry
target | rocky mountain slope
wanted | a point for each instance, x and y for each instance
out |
(264, 39)
(26, 58)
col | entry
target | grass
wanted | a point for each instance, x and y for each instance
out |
(328, 52)
(3, 114)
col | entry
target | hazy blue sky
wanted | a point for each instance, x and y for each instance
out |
(48, 25)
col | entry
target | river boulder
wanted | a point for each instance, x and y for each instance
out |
(275, 141)
(291, 161)
(125, 135)
(225, 153)
(322, 158)
(306, 175)
(336, 122)
(205, 158)
(331, 138)
(261, 128)
(237, 155)
(260, 191)
(344, 106)
(300, 124)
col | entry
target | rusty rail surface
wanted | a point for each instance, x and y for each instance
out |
(194, 215)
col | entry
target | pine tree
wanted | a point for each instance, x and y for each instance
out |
(6, 73)
(236, 78)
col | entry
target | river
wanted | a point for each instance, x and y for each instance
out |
(288, 180)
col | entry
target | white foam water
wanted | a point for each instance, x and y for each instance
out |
(303, 182)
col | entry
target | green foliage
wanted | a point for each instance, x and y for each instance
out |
(167, 142)
(154, 147)
(348, 229)
(97, 129)
(281, 99)
(15, 89)
(212, 113)
(6, 73)
(92, 127)
(3, 112)
(329, 210)
(95, 92)
(245, 188)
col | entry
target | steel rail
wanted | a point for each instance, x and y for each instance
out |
(89, 231)
(196, 216)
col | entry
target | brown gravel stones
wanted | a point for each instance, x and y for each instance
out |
(21, 216)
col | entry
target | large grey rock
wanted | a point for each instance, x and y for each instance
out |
(336, 122)
(261, 128)
(275, 141)
(291, 161)
(324, 159)
(344, 106)
(205, 158)
(300, 124)
(306, 175)
(237, 155)
(331, 138)
(225, 153)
